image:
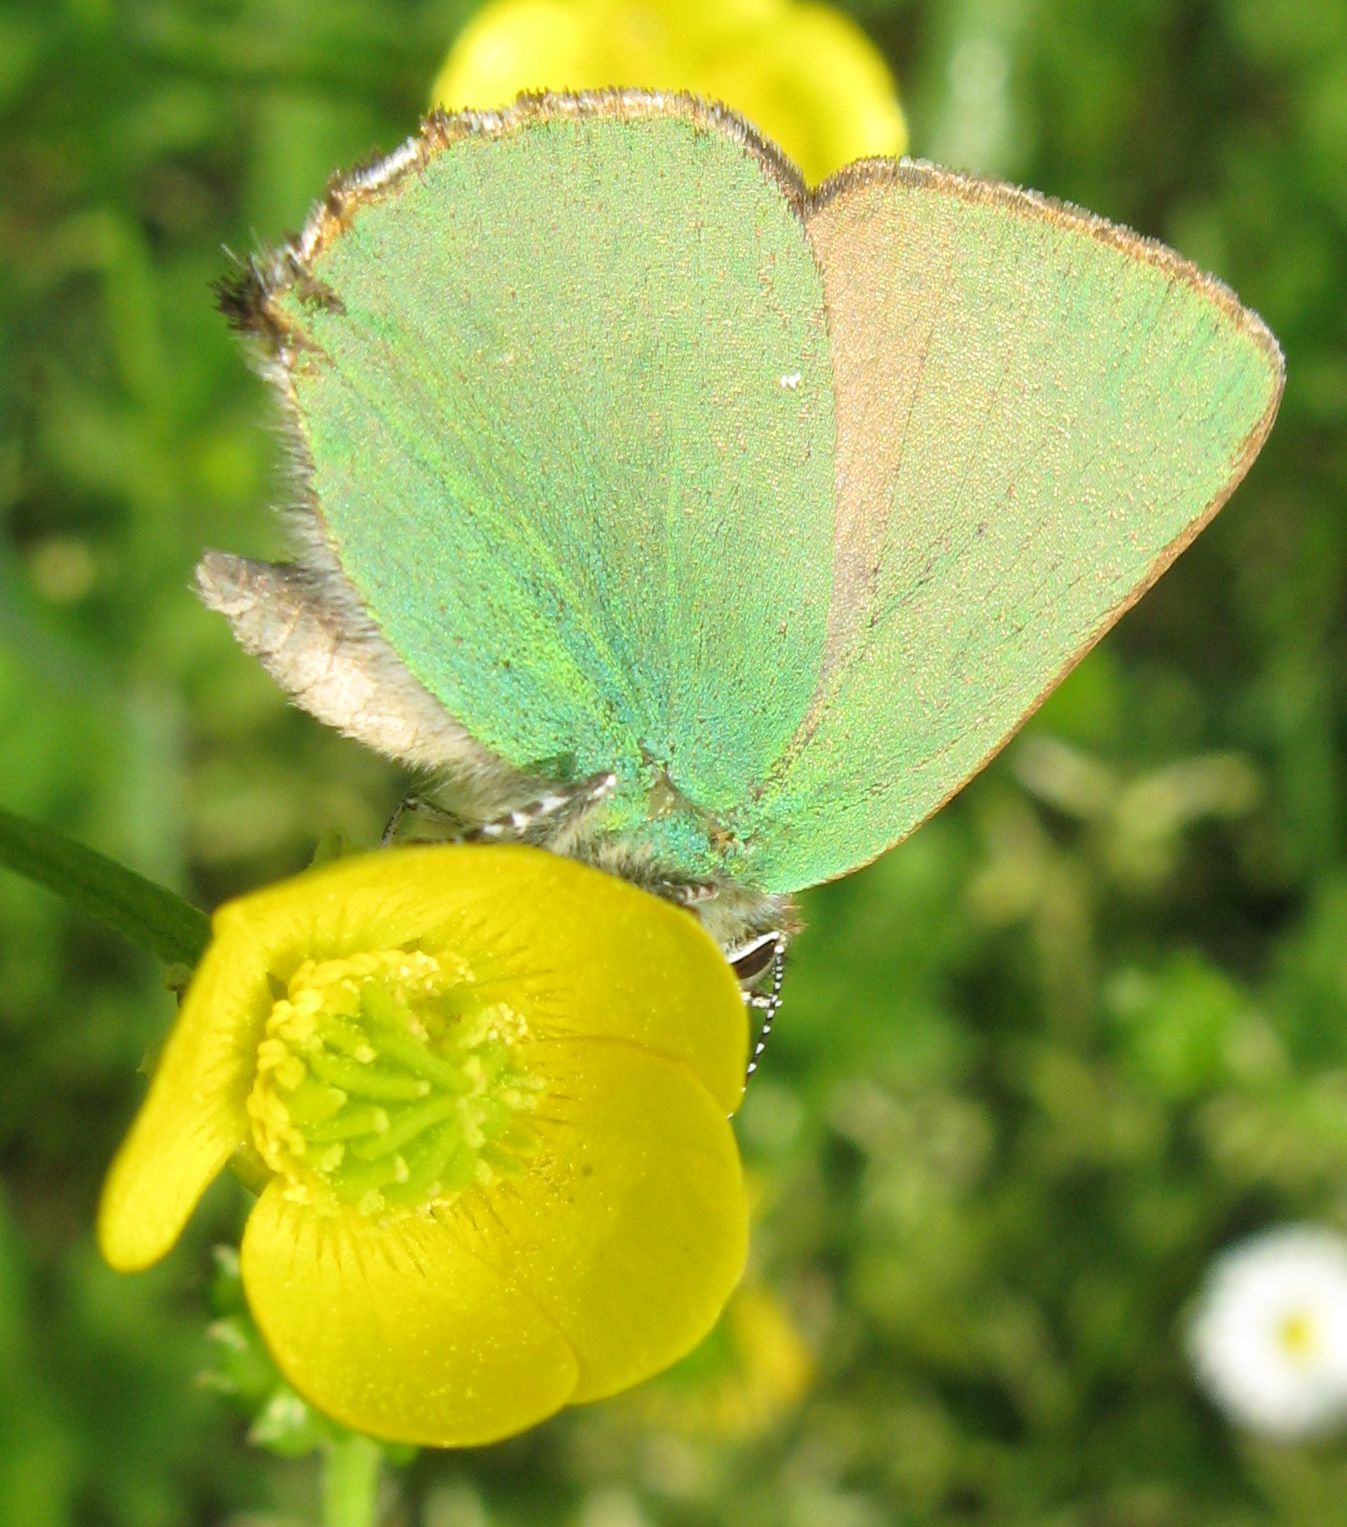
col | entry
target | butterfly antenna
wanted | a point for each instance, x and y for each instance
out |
(767, 1003)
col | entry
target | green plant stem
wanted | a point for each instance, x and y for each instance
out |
(351, 1466)
(148, 914)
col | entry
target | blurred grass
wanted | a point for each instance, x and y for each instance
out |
(1035, 1066)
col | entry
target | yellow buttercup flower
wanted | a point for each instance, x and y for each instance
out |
(805, 75)
(484, 1093)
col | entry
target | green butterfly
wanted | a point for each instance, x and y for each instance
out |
(704, 527)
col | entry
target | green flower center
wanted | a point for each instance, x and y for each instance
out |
(385, 1081)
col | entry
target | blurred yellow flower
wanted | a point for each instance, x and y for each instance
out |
(484, 1093)
(805, 75)
(745, 1377)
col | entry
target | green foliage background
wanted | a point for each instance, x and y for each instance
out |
(1036, 1065)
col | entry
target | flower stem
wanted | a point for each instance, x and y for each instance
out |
(148, 914)
(351, 1481)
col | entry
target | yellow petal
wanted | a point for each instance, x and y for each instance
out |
(629, 1224)
(501, 43)
(805, 75)
(579, 953)
(819, 89)
(394, 1328)
(587, 956)
(193, 1118)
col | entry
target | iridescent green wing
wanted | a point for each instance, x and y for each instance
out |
(1036, 411)
(561, 380)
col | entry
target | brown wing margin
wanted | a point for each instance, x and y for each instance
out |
(245, 297)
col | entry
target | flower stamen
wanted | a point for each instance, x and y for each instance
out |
(385, 1080)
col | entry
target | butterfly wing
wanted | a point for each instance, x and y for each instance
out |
(561, 387)
(1036, 411)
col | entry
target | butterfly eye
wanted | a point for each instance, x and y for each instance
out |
(750, 963)
(752, 959)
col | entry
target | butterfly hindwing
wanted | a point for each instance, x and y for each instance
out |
(1036, 411)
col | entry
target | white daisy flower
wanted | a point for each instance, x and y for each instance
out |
(1269, 1334)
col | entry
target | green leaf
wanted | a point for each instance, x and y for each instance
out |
(148, 914)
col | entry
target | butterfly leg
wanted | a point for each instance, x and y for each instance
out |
(419, 806)
(545, 817)
(686, 893)
(535, 821)
(750, 962)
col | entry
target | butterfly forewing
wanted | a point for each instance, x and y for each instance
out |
(565, 389)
